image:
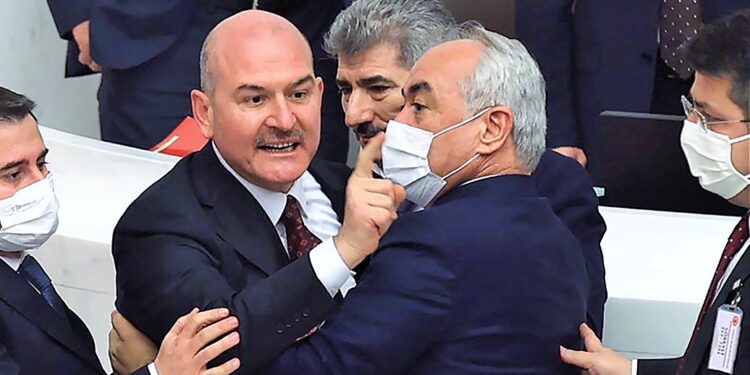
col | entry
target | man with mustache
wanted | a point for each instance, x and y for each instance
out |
(378, 41)
(251, 222)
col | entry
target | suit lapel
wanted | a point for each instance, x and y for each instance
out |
(239, 218)
(697, 353)
(22, 297)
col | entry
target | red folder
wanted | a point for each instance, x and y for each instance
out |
(183, 140)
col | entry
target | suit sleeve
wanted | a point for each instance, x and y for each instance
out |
(8, 366)
(162, 277)
(545, 27)
(399, 309)
(125, 34)
(67, 14)
(657, 366)
(571, 193)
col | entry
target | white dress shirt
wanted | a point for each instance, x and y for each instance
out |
(319, 218)
(14, 263)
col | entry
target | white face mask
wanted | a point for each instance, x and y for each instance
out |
(709, 155)
(405, 161)
(28, 217)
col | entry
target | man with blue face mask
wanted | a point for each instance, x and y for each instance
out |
(716, 142)
(39, 334)
(486, 279)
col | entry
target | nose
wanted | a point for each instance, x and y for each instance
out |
(358, 109)
(282, 117)
(406, 116)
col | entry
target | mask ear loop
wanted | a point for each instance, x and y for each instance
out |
(462, 166)
(739, 139)
(462, 123)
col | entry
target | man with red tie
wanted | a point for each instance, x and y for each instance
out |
(716, 143)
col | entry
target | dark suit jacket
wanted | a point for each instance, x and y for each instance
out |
(487, 280)
(197, 237)
(67, 14)
(696, 357)
(601, 56)
(34, 339)
(570, 192)
(149, 51)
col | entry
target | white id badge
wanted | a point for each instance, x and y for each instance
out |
(726, 339)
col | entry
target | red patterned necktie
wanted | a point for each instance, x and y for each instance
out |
(299, 239)
(738, 238)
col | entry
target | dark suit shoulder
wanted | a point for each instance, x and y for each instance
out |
(170, 203)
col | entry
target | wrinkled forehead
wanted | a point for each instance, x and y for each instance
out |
(446, 66)
(380, 60)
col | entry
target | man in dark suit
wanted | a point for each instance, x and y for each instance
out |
(249, 222)
(374, 62)
(716, 142)
(148, 53)
(39, 334)
(485, 279)
(610, 55)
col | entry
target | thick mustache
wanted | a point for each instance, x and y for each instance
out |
(367, 129)
(274, 135)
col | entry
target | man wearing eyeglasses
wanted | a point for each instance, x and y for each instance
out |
(716, 142)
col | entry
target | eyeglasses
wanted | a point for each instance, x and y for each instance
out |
(690, 109)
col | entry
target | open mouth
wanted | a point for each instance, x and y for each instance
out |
(280, 147)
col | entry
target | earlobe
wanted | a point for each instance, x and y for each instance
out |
(202, 112)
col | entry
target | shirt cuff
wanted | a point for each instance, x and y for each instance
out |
(634, 367)
(329, 267)
(152, 369)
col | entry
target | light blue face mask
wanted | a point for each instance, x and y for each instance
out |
(405, 161)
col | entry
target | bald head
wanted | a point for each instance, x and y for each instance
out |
(247, 33)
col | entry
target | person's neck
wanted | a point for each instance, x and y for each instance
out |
(11, 254)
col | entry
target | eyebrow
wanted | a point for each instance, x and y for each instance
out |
(374, 80)
(416, 88)
(15, 164)
(705, 107)
(302, 81)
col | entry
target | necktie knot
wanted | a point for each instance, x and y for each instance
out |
(299, 239)
(34, 273)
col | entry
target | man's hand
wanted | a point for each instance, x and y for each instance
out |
(597, 359)
(129, 349)
(185, 349)
(574, 153)
(81, 36)
(371, 206)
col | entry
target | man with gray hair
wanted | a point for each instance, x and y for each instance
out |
(486, 279)
(378, 41)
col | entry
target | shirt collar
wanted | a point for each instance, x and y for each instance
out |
(272, 202)
(15, 263)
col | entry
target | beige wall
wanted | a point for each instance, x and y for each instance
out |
(32, 59)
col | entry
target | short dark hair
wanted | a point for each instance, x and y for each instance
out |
(14, 107)
(722, 48)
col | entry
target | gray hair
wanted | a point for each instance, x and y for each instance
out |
(207, 79)
(507, 75)
(412, 26)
